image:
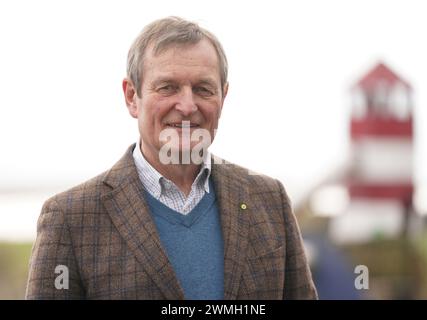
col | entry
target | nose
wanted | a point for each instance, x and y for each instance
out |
(186, 104)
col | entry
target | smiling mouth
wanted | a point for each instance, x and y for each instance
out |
(183, 125)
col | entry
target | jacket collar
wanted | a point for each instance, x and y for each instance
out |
(130, 215)
(154, 182)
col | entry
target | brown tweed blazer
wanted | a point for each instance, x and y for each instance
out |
(103, 232)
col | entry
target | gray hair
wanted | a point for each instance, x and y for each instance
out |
(163, 34)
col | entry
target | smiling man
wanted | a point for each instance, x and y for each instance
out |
(169, 220)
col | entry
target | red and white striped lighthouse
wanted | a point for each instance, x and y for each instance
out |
(372, 195)
(381, 131)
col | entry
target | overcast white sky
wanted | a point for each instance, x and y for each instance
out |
(63, 117)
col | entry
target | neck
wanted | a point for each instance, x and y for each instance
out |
(182, 175)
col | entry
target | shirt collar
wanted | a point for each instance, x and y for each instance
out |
(155, 182)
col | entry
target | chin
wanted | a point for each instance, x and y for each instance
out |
(181, 155)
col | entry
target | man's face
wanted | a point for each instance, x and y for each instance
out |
(179, 84)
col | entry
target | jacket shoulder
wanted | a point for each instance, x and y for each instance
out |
(88, 191)
(254, 181)
(91, 190)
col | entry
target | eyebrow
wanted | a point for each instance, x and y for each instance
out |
(162, 80)
(206, 81)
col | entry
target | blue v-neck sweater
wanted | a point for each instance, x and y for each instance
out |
(194, 245)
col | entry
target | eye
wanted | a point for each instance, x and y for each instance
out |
(167, 89)
(203, 91)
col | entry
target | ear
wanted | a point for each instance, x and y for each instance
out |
(224, 94)
(224, 91)
(130, 97)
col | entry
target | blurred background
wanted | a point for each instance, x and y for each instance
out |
(328, 96)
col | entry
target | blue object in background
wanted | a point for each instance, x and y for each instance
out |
(333, 274)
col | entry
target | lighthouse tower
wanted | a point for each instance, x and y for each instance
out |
(381, 130)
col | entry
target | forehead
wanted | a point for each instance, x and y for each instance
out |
(182, 59)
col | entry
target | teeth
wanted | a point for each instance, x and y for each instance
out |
(183, 126)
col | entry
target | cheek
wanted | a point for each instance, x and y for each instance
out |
(211, 111)
(213, 116)
(149, 113)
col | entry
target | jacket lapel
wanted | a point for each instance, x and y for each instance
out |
(130, 214)
(231, 193)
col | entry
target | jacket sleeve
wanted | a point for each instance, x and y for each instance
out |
(53, 268)
(298, 280)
